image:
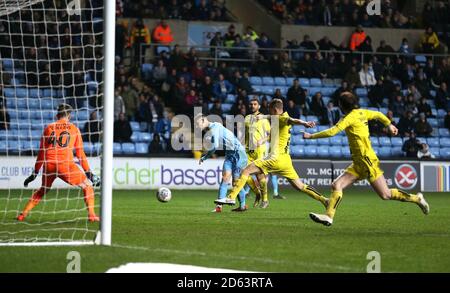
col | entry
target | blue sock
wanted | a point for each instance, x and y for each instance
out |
(246, 188)
(223, 189)
(242, 198)
(274, 180)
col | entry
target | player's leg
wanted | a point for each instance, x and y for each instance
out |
(72, 175)
(239, 184)
(224, 183)
(338, 185)
(381, 188)
(262, 179)
(240, 163)
(309, 190)
(47, 181)
(274, 182)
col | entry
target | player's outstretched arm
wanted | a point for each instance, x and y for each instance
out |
(307, 124)
(38, 164)
(322, 134)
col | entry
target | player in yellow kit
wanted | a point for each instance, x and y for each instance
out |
(279, 160)
(365, 164)
(256, 135)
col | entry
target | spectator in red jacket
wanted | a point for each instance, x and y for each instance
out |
(357, 38)
(162, 34)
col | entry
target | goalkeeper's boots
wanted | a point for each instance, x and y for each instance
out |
(218, 209)
(321, 219)
(257, 200)
(94, 218)
(21, 217)
(423, 204)
(225, 200)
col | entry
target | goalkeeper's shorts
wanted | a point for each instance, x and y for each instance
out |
(68, 172)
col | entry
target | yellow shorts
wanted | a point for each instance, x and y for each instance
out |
(365, 168)
(255, 155)
(281, 165)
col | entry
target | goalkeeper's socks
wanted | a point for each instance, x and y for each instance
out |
(34, 201)
(89, 199)
(237, 186)
(312, 192)
(400, 195)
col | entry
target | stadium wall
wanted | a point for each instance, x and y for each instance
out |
(338, 35)
(151, 173)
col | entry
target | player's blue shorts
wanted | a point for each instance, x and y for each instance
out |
(235, 162)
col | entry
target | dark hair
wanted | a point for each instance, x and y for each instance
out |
(64, 110)
(348, 102)
(276, 104)
(255, 99)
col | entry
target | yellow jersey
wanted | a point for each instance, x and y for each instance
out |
(255, 130)
(280, 135)
(356, 126)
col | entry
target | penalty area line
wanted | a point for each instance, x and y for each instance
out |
(237, 257)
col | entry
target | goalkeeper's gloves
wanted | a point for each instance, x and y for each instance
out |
(30, 179)
(94, 179)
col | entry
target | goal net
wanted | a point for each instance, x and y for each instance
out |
(51, 52)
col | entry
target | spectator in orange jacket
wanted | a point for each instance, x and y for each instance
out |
(162, 34)
(357, 38)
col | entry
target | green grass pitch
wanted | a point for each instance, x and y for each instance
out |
(279, 239)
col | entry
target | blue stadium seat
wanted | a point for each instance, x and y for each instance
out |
(311, 142)
(396, 141)
(34, 93)
(297, 129)
(362, 92)
(226, 107)
(327, 82)
(231, 99)
(346, 152)
(297, 151)
(13, 114)
(297, 140)
(323, 152)
(385, 152)
(312, 118)
(143, 126)
(147, 69)
(444, 142)
(280, 81)
(433, 122)
(161, 49)
(145, 137)
(327, 91)
(441, 113)
(436, 152)
(376, 150)
(255, 80)
(433, 93)
(383, 110)
(33, 104)
(375, 141)
(336, 141)
(283, 90)
(88, 148)
(21, 103)
(314, 90)
(290, 81)
(444, 132)
(267, 90)
(24, 134)
(257, 88)
(9, 92)
(444, 153)
(310, 152)
(421, 59)
(8, 64)
(117, 148)
(46, 104)
(433, 142)
(304, 82)
(364, 102)
(315, 82)
(397, 152)
(267, 80)
(322, 127)
(29, 145)
(128, 148)
(35, 134)
(3, 146)
(335, 152)
(135, 136)
(141, 148)
(135, 126)
(384, 141)
(323, 141)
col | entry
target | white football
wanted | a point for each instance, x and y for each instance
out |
(164, 194)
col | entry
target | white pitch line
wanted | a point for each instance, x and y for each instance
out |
(231, 256)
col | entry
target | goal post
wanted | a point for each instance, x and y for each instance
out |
(54, 52)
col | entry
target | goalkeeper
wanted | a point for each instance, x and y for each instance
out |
(58, 143)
